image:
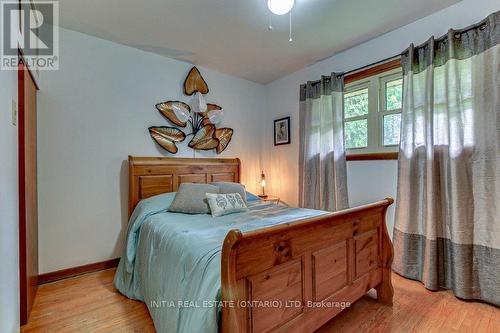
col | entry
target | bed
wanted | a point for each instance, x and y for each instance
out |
(273, 268)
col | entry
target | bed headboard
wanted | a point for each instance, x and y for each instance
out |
(150, 176)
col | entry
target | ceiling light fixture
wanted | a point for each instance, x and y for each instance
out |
(280, 7)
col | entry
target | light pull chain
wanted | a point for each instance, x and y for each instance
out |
(270, 26)
(290, 39)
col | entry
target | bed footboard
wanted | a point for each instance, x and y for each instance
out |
(295, 277)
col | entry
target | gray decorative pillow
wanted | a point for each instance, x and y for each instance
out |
(228, 187)
(190, 198)
(228, 203)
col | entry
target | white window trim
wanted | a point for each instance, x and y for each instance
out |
(376, 111)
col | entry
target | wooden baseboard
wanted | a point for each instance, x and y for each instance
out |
(75, 271)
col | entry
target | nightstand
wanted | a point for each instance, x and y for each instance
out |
(271, 198)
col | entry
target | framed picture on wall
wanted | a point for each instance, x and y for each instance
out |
(282, 131)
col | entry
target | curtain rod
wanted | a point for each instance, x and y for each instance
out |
(364, 67)
(481, 25)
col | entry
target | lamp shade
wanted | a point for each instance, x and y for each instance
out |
(263, 184)
(280, 7)
(262, 179)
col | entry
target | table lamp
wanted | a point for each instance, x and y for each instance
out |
(263, 185)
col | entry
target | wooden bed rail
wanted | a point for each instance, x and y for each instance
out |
(295, 277)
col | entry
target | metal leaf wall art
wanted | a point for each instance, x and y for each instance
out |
(197, 116)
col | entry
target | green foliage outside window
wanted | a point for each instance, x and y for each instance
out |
(356, 133)
(392, 129)
(393, 94)
(392, 123)
(356, 103)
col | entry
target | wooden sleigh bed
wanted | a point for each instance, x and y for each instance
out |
(311, 267)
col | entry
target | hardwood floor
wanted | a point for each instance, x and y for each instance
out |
(89, 303)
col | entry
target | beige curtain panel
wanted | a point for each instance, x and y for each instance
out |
(447, 230)
(322, 164)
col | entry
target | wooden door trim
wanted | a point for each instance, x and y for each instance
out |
(23, 292)
(22, 193)
(33, 77)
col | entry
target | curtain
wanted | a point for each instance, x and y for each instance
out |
(322, 168)
(447, 229)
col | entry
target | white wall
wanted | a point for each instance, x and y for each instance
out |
(367, 180)
(96, 109)
(9, 226)
(93, 113)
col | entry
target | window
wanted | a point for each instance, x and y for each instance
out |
(356, 118)
(372, 113)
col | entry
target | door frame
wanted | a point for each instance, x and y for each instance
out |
(21, 148)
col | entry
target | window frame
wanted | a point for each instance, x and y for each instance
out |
(375, 79)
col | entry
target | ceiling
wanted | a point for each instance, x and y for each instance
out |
(231, 36)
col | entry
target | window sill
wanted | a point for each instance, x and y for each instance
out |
(371, 156)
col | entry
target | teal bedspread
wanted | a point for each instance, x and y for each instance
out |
(171, 261)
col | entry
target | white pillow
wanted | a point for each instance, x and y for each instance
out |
(227, 203)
